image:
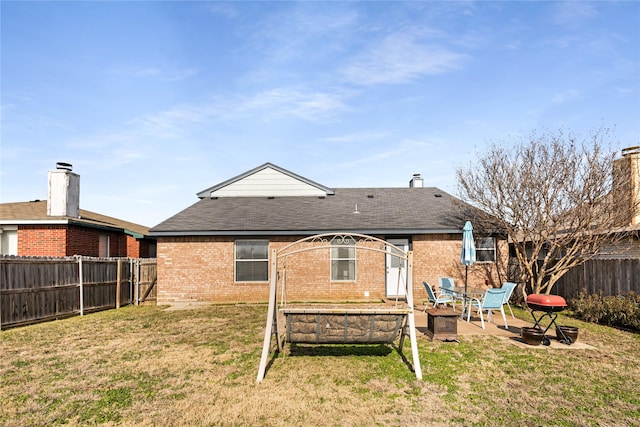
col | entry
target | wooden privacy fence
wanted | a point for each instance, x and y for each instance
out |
(35, 289)
(606, 276)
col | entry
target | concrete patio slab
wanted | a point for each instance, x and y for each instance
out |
(496, 328)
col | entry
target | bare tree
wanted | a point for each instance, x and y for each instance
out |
(556, 198)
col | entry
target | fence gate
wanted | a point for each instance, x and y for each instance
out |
(146, 276)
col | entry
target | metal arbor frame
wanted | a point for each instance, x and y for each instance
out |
(323, 241)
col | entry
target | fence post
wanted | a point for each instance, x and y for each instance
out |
(1, 267)
(131, 281)
(80, 279)
(118, 280)
(137, 285)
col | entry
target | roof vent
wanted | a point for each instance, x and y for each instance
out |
(416, 181)
(370, 196)
(437, 195)
(64, 166)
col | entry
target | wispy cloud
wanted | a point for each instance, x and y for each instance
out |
(137, 71)
(280, 103)
(18, 112)
(107, 150)
(389, 151)
(171, 123)
(573, 13)
(400, 58)
(304, 31)
(356, 137)
(263, 106)
(223, 8)
(566, 96)
(626, 90)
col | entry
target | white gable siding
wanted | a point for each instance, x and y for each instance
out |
(268, 183)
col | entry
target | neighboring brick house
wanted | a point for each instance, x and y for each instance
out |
(218, 249)
(57, 227)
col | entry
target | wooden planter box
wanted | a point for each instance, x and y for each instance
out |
(442, 324)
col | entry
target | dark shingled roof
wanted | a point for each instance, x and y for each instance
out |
(381, 210)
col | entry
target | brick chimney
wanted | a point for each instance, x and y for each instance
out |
(626, 180)
(64, 192)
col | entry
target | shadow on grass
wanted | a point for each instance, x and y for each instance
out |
(339, 350)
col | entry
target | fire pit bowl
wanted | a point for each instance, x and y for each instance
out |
(532, 336)
(569, 332)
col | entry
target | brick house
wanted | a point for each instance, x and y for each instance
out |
(57, 226)
(218, 249)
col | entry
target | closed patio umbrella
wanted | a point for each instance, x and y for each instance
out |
(468, 256)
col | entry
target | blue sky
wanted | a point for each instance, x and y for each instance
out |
(153, 102)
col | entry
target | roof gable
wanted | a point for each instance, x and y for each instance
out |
(267, 180)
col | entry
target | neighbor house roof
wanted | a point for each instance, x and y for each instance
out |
(367, 210)
(35, 212)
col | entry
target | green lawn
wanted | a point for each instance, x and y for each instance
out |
(154, 366)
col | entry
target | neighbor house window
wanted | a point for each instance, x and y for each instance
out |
(485, 249)
(343, 259)
(103, 246)
(8, 241)
(252, 260)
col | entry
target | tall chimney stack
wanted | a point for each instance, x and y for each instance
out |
(64, 191)
(627, 182)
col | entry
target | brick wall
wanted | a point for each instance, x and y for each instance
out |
(308, 276)
(146, 249)
(133, 247)
(85, 241)
(438, 255)
(42, 240)
(69, 240)
(193, 269)
(82, 242)
(139, 248)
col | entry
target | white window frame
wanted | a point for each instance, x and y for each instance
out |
(9, 240)
(335, 256)
(236, 260)
(486, 249)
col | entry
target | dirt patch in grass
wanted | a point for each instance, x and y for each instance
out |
(153, 366)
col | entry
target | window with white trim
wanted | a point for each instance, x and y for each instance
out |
(485, 249)
(343, 259)
(9, 240)
(251, 260)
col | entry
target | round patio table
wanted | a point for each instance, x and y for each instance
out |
(467, 295)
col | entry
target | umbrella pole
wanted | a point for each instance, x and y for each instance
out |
(466, 277)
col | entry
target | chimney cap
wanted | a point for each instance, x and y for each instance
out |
(630, 150)
(64, 166)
